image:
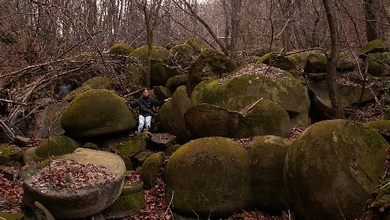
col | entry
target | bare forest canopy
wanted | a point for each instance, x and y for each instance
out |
(38, 31)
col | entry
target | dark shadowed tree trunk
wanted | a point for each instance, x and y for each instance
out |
(331, 78)
(371, 30)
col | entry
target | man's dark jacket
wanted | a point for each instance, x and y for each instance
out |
(146, 105)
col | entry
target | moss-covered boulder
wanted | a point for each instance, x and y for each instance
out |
(130, 201)
(183, 54)
(56, 146)
(332, 168)
(378, 64)
(207, 120)
(50, 120)
(151, 168)
(209, 177)
(121, 49)
(98, 82)
(252, 83)
(11, 216)
(382, 126)
(132, 147)
(267, 155)
(135, 75)
(316, 63)
(172, 115)
(97, 112)
(158, 53)
(196, 44)
(174, 82)
(209, 64)
(284, 61)
(10, 153)
(160, 73)
(162, 92)
(265, 117)
(88, 197)
(374, 46)
(349, 96)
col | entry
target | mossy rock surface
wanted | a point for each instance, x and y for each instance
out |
(208, 176)
(207, 120)
(135, 75)
(132, 147)
(86, 201)
(121, 49)
(158, 53)
(374, 47)
(196, 44)
(174, 82)
(209, 64)
(382, 126)
(284, 61)
(349, 96)
(332, 168)
(265, 117)
(130, 201)
(100, 82)
(56, 146)
(172, 115)
(252, 83)
(9, 153)
(160, 73)
(97, 112)
(316, 63)
(267, 154)
(184, 54)
(378, 64)
(11, 216)
(151, 168)
(162, 92)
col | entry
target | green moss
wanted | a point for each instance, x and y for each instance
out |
(11, 216)
(333, 160)
(141, 157)
(267, 155)
(121, 49)
(56, 146)
(91, 146)
(133, 147)
(9, 153)
(99, 82)
(265, 118)
(171, 149)
(217, 169)
(373, 46)
(378, 64)
(387, 114)
(97, 112)
(129, 202)
(151, 168)
(158, 53)
(196, 44)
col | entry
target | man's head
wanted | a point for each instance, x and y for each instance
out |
(145, 93)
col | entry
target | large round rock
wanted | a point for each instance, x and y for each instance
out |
(86, 201)
(332, 168)
(208, 176)
(267, 154)
(97, 112)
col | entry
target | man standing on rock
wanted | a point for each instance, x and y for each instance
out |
(145, 106)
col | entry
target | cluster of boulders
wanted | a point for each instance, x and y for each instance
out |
(327, 173)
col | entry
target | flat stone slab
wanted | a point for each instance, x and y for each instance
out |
(83, 184)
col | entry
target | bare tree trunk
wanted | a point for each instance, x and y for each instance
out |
(151, 15)
(235, 22)
(371, 31)
(333, 59)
